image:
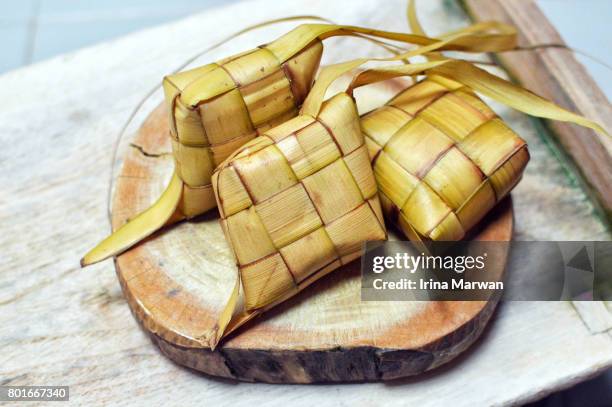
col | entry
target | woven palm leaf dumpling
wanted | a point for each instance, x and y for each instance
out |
(442, 159)
(298, 202)
(254, 92)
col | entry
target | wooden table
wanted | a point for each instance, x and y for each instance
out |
(61, 325)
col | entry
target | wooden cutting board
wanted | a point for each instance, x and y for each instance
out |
(177, 282)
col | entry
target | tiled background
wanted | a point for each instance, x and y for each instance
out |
(33, 30)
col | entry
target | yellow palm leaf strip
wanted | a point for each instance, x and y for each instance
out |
(485, 83)
(417, 28)
(140, 227)
(476, 39)
(511, 95)
(225, 317)
(329, 74)
(505, 38)
(413, 19)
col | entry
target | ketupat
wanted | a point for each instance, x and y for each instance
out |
(442, 159)
(296, 203)
(252, 92)
(299, 200)
(215, 108)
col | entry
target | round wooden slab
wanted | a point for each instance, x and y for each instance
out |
(177, 282)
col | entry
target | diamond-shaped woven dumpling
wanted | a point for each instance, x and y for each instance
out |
(253, 91)
(298, 202)
(442, 159)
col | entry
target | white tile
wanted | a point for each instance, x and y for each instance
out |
(56, 38)
(111, 10)
(66, 25)
(17, 11)
(12, 43)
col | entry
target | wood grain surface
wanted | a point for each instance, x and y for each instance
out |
(556, 74)
(60, 325)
